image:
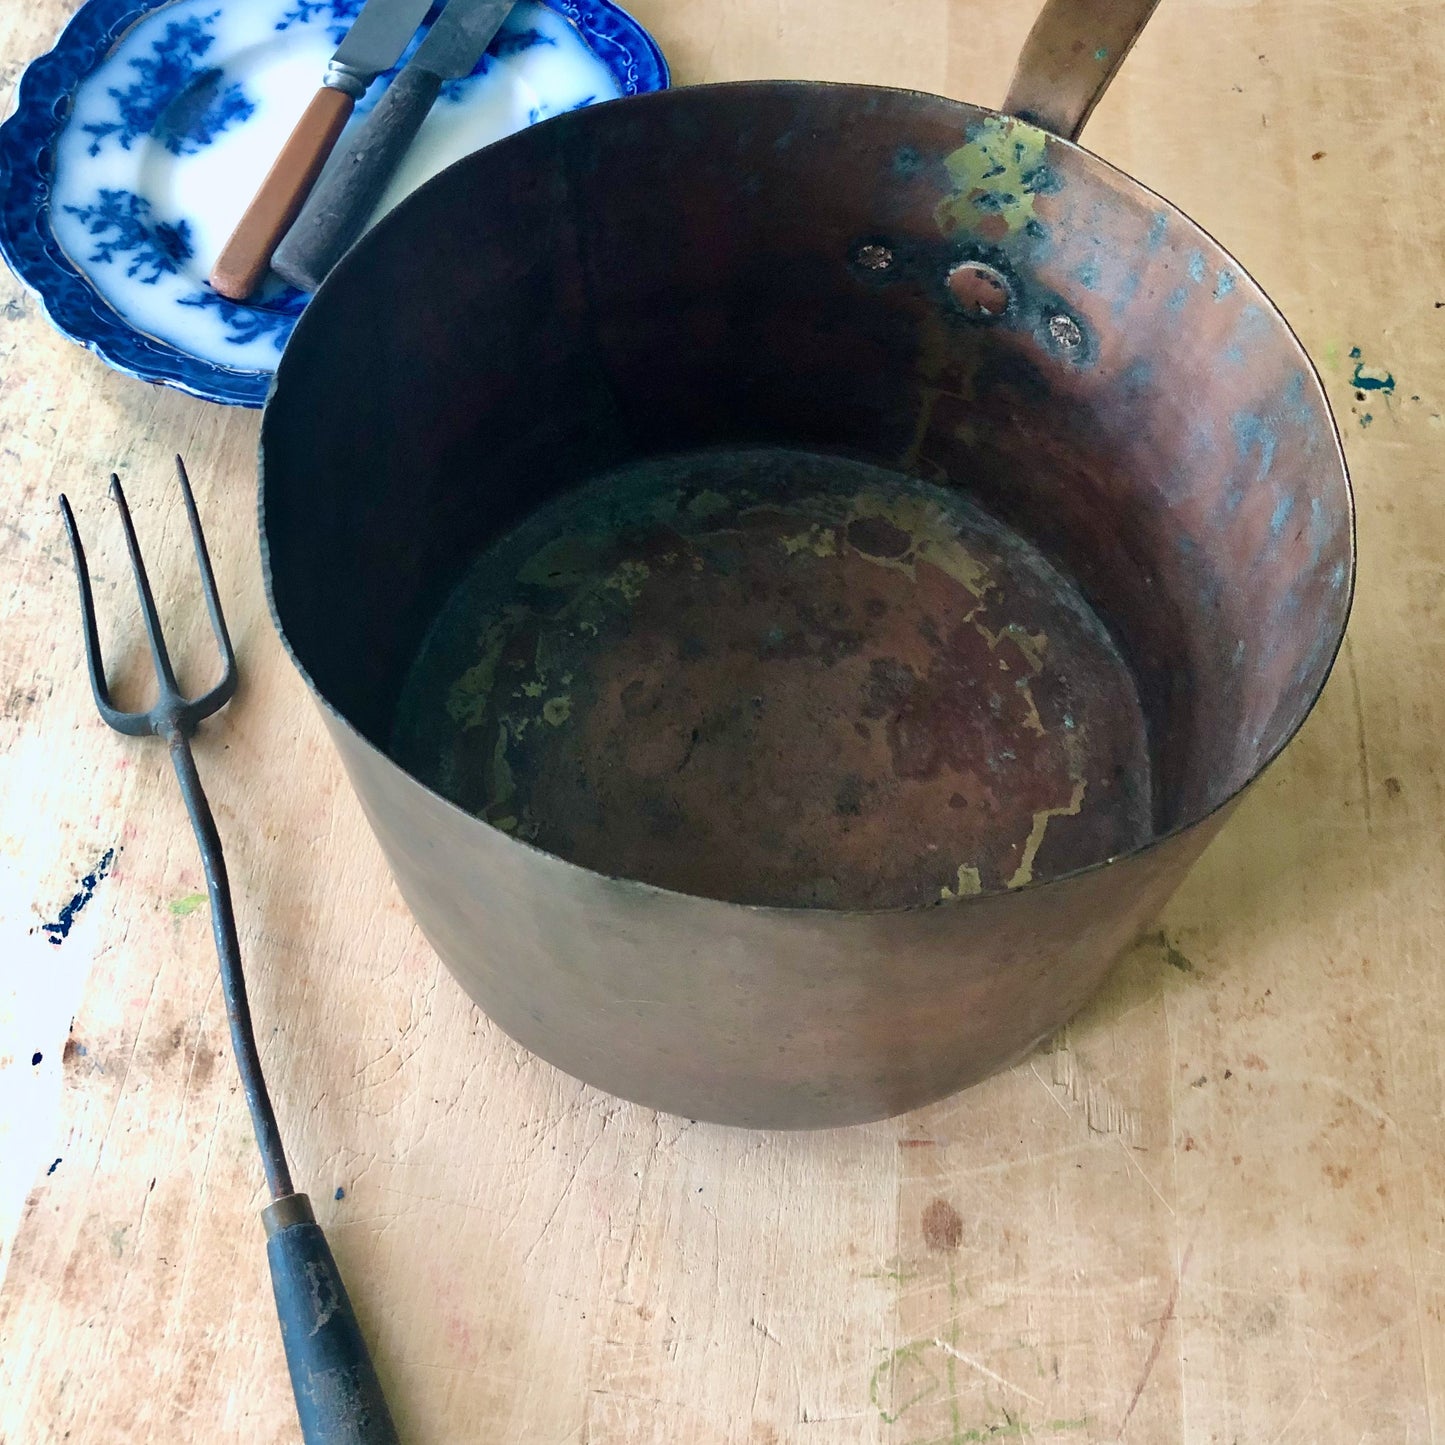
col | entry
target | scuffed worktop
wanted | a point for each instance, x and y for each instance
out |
(1208, 1212)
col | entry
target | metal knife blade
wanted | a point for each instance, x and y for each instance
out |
(460, 34)
(378, 35)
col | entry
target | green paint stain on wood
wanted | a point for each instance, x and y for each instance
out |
(1173, 956)
(901, 1275)
(183, 907)
(1008, 1428)
(904, 1379)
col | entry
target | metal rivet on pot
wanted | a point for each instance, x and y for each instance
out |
(1064, 333)
(979, 289)
(873, 257)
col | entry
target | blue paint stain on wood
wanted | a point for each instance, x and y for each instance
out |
(340, 1192)
(1197, 270)
(59, 931)
(1224, 285)
(1370, 378)
(52, 1169)
(1281, 515)
(1088, 275)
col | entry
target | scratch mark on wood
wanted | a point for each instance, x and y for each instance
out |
(1364, 753)
(1304, 1400)
(1152, 1358)
(1103, 1113)
(983, 1369)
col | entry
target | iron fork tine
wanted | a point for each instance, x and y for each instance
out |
(172, 710)
(165, 674)
(135, 724)
(225, 689)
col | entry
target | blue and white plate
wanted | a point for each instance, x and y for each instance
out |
(140, 138)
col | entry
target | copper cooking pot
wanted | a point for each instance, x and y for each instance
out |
(993, 536)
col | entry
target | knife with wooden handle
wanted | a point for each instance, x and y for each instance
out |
(374, 42)
(346, 195)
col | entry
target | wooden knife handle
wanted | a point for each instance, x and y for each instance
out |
(340, 206)
(247, 255)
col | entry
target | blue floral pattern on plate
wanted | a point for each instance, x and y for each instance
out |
(185, 103)
(139, 138)
(121, 224)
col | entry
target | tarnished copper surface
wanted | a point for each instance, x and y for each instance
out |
(779, 678)
(768, 265)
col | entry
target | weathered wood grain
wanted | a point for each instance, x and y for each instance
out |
(1209, 1213)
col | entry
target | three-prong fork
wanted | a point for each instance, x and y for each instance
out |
(338, 1396)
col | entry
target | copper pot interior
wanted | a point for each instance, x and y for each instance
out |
(807, 495)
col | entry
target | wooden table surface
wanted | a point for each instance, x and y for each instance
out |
(1210, 1211)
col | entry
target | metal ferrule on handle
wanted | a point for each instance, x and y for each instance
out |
(338, 1397)
(347, 79)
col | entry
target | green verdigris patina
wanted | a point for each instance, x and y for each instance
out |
(997, 174)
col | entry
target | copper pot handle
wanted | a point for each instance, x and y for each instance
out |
(1071, 55)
